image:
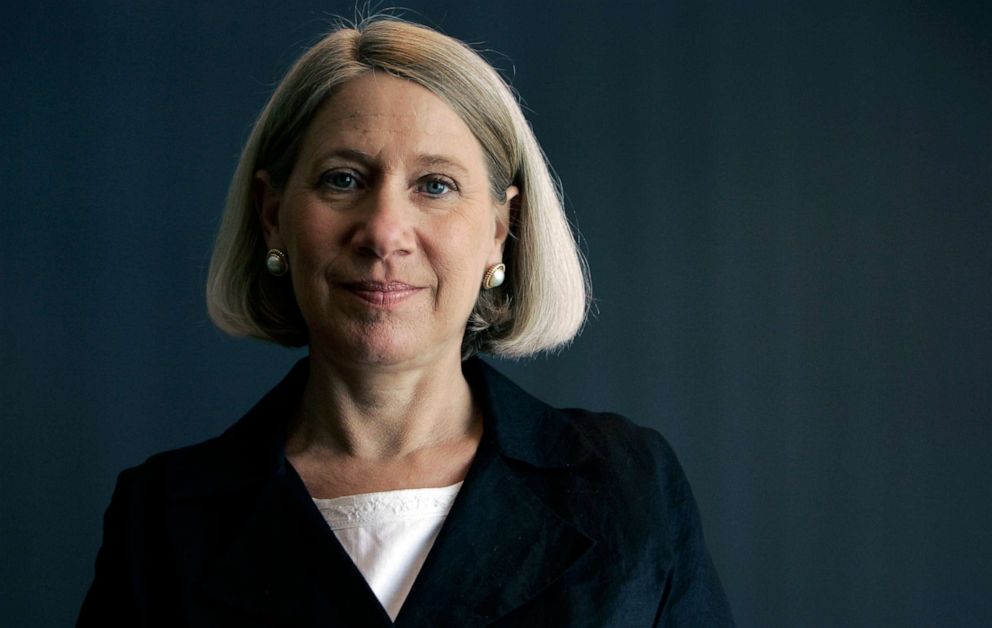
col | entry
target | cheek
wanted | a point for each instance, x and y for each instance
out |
(463, 253)
(455, 277)
(314, 241)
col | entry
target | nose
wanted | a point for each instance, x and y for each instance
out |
(385, 227)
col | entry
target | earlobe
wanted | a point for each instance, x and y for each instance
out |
(267, 201)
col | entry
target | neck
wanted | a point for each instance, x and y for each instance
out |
(382, 413)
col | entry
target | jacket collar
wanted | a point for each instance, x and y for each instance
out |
(518, 425)
(500, 546)
(522, 427)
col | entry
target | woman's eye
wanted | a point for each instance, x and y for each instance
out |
(437, 187)
(340, 180)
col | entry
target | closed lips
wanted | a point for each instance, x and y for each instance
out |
(381, 292)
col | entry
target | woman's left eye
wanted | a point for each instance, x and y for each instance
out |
(437, 187)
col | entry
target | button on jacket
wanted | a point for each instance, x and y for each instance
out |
(566, 518)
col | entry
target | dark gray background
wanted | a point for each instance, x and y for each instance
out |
(785, 205)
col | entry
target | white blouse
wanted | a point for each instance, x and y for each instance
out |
(389, 534)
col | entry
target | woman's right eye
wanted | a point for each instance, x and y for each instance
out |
(339, 180)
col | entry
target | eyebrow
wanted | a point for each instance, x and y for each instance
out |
(348, 153)
(370, 161)
(442, 161)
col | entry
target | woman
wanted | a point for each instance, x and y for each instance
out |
(393, 212)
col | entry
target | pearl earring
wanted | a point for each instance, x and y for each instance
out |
(276, 262)
(494, 276)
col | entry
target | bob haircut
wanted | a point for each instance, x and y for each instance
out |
(543, 302)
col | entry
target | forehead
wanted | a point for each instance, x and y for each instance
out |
(380, 114)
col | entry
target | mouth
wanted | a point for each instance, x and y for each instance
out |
(383, 294)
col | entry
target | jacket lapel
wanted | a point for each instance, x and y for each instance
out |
(501, 545)
(282, 565)
(286, 567)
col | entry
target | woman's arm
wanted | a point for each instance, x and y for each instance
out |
(693, 595)
(112, 598)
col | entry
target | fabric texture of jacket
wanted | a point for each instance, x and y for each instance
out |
(566, 518)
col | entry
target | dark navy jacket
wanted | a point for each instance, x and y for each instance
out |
(567, 518)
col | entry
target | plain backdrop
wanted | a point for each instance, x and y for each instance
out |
(786, 209)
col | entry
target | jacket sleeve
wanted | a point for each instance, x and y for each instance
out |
(112, 598)
(693, 595)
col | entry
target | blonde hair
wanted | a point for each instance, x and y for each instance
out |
(545, 298)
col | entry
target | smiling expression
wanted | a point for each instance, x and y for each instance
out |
(389, 223)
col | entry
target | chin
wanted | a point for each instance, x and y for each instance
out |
(370, 348)
(378, 355)
(381, 339)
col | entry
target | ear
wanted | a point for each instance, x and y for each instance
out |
(267, 202)
(505, 213)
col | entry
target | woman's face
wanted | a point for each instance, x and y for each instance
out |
(388, 223)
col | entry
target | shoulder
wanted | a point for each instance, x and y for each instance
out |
(239, 460)
(247, 453)
(171, 470)
(638, 461)
(529, 430)
(631, 496)
(601, 447)
(614, 437)
(226, 464)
